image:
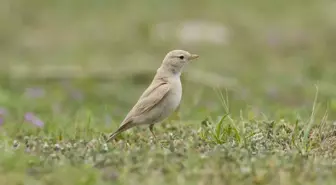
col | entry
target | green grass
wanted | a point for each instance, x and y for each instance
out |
(259, 109)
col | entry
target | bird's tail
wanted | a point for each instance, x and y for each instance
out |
(123, 128)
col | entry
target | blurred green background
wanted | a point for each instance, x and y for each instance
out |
(82, 64)
(261, 51)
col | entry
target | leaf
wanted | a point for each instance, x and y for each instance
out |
(219, 126)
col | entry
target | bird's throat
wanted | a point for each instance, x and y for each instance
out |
(169, 71)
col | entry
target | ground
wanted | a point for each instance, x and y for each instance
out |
(258, 105)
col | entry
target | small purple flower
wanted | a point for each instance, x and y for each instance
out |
(30, 117)
(3, 111)
(274, 38)
(73, 92)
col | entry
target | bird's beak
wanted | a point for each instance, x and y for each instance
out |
(193, 56)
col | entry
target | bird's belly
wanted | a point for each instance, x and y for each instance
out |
(171, 103)
(166, 108)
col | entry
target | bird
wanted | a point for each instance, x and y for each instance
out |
(162, 96)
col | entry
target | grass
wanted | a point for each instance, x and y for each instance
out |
(258, 108)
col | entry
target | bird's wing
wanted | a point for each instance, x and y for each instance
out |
(157, 82)
(148, 100)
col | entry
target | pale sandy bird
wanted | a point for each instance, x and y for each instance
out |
(163, 95)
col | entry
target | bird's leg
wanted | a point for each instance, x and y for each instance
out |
(151, 126)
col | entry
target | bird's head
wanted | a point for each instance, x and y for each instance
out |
(175, 61)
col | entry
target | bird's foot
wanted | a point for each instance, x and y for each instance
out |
(151, 127)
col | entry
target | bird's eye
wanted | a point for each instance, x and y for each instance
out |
(181, 57)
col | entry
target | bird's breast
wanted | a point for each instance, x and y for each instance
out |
(175, 94)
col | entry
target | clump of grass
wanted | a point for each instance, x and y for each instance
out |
(287, 135)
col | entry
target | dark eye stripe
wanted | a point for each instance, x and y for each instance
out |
(181, 57)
